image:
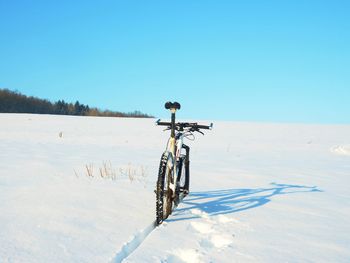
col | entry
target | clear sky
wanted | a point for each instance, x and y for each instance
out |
(275, 61)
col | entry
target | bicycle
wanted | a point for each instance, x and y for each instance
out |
(174, 168)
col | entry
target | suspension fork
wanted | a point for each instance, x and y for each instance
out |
(187, 166)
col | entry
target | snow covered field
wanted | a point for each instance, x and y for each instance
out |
(80, 189)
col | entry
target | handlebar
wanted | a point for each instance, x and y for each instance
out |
(181, 125)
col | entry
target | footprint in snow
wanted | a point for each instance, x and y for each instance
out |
(199, 213)
(213, 230)
(214, 235)
(341, 150)
(202, 228)
(184, 256)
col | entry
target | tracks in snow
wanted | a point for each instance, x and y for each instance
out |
(133, 244)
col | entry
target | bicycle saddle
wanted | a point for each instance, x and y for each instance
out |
(172, 105)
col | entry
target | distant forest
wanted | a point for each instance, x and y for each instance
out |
(15, 102)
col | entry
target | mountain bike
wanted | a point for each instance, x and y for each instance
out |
(174, 168)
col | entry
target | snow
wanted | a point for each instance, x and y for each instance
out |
(259, 192)
(341, 150)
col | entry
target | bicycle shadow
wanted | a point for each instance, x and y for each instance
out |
(227, 201)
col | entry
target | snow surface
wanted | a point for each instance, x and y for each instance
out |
(259, 192)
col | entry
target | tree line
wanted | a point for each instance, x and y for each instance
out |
(15, 102)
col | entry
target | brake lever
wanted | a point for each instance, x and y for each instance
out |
(197, 130)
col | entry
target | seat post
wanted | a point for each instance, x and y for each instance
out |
(172, 106)
(173, 111)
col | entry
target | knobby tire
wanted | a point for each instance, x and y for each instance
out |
(163, 191)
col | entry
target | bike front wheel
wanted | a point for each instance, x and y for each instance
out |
(163, 191)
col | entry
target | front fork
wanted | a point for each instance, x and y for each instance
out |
(178, 171)
(187, 166)
(176, 152)
(173, 183)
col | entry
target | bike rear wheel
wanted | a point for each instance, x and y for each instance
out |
(164, 193)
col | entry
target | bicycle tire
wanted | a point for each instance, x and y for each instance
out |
(163, 191)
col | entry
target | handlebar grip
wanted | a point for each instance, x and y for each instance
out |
(205, 126)
(163, 123)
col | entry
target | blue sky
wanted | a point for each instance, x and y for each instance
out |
(274, 61)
